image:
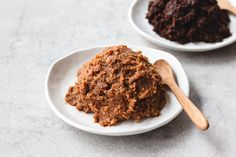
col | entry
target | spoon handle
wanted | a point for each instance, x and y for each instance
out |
(192, 111)
(232, 10)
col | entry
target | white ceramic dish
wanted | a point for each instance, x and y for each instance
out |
(137, 13)
(62, 74)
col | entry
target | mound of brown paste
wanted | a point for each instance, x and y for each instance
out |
(117, 85)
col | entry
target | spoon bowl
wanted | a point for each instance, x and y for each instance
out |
(164, 69)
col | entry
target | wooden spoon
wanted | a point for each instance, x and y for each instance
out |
(225, 4)
(165, 70)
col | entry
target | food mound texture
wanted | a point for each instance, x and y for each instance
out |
(187, 21)
(117, 85)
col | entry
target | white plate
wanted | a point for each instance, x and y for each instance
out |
(137, 13)
(62, 74)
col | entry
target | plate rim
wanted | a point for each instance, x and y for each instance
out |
(178, 47)
(95, 131)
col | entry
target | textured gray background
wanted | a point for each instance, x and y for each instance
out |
(33, 33)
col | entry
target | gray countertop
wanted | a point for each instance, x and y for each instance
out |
(33, 33)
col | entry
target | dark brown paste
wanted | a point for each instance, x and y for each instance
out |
(117, 85)
(187, 21)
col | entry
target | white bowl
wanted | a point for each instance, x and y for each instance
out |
(62, 74)
(137, 13)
